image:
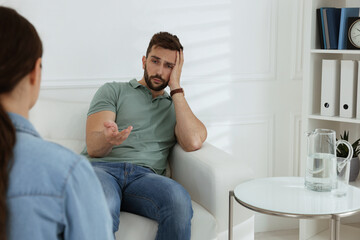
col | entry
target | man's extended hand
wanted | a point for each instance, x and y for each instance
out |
(112, 134)
(174, 81)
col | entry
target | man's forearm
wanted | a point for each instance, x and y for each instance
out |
(97, 146)
(190, 131)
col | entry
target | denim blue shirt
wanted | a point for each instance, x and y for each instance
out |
(53, 193)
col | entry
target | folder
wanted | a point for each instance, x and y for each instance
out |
(345, 14)
(326, 29)
(320, 28)
(330, 87)
(348, 88)
(333, 21)
(358, 93)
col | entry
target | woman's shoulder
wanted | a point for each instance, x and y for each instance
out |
(42, 167)
(42, 151)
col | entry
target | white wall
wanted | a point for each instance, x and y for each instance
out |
(242, 72)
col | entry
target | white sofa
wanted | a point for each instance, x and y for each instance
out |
(207, 174)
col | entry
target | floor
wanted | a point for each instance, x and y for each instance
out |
(292, 234)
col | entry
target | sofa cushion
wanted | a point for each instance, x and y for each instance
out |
(205, 224)
(136, 227)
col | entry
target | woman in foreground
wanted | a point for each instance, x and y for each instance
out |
(46, 191)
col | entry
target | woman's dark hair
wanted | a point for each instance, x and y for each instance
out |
(20, 47)
(164, 40)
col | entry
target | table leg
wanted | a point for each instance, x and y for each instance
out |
(230, 231)
(335, 228)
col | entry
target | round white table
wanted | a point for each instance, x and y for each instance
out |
(288, 197)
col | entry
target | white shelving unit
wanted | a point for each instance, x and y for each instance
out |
(313, 56)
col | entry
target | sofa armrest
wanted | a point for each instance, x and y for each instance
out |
(208, 174)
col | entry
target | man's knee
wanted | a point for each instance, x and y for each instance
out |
(112, 195)
(179, 204)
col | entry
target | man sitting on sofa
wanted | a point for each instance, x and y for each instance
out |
(131, 163)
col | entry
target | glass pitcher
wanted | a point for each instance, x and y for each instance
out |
(322, 167)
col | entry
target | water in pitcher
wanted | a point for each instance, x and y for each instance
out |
(321, 172)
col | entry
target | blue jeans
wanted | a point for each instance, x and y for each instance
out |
(139, 190)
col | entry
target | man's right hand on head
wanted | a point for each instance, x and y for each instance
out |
(112, 134)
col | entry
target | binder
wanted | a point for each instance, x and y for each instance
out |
(322, 23)
(330, 87)
(326, 29)
(345, 14)
(358, 93)
(348, 88)
(320, 28)
(333, 21)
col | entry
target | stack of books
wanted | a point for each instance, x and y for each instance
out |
(333, 26)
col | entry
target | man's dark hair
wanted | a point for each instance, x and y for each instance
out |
(164, 40)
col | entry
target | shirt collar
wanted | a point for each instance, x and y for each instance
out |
(166, 95)
(135, 84)
(22, 124)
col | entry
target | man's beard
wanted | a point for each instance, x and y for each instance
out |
(151, 85)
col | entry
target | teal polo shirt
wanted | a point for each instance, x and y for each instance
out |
(153, 122)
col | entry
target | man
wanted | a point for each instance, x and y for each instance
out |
(130, 130)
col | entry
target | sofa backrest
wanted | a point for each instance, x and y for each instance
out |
(61, 122)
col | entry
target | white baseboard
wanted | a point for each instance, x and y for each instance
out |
(267, 223)
(243, 231)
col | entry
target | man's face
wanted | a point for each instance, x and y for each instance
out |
(157, 67)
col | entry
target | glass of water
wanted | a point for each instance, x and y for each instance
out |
(343, 172)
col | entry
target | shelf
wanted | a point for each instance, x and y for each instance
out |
(334, 51)
(335, 119)
(313, 57)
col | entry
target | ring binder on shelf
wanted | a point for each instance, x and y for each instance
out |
(330, 84)
(358, 93)
(348, 88)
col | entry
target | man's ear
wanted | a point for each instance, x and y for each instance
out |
(35, 74)
(144, 62)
